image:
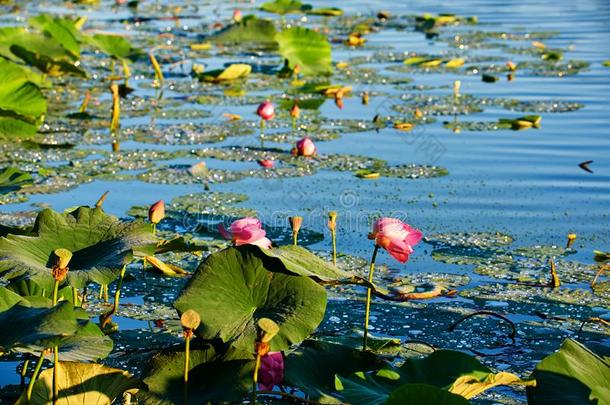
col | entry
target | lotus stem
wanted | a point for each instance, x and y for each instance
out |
(55, 374)
(74, 296)
(255, 378)
(34, 376)
(262, 136)
(116, 108)
(112, 66)
(158, 73)
(555, 282)
(117, 293)
(368, 299)
(126, 71)
(154, 229)
(333, 236)
(294, 238)
(83, 106)
(55, 291)
(24, 370)
(187, 349)
(294, 124)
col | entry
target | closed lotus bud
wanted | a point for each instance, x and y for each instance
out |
(456, 87)
(266, 110)
(63, 257)
(237, 15)
(295, 223)
(365, 97)
(418, 114)
(199, 169)
(571, 239)
(268, 329)
(512, 66)
(295, 111)
(339, 102)
(305, 147)
(190, 320)
(297, 69)
(156, 212)
(332, 220)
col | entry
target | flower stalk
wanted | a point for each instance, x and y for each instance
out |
(332, 226)
(190, 321)
(367, 310)
(35, 373)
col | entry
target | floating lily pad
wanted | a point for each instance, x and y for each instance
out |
(236, 283)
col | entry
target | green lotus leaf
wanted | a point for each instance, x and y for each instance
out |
(306, 48)
(299, 261)
(101, 245)
(36, 325)
(326, 11)
(81, 383)
(424, 394)
(313, 366)
(249, 29)
(232, 289)
(210, 378)
(12, 179)
(63, 30)
(115, 46)
(451, 370)
(22, 104)
(285, 7)
(12, 38)
(573, 375)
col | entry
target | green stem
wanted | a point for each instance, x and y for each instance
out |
(333, 236)
(34, 376)
(262, 133)
(117, 293)
(105, 293)
(55, 291)
(154, 229)
(186, 359)
(24, 370)
(368, 299)
(74, 296)
(295, 238)
(55, 374)
(294, 124)
(255, 378)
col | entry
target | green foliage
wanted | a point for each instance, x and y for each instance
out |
(101, 245)
(115, 46)
(22, 104)
(424, 394)
(232, 289)
(306, 48)
(12, 179)
(573, 375)
(250, 29)
(285, 7)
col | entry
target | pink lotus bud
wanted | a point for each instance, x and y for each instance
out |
(396, 237)
(271, 372)
(156, 212)
(237, 15)
(295, 111)
(305, 147)
(266, 110)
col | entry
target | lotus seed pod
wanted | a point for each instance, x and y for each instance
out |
(268, 328)
(190, 319)
(63, 257)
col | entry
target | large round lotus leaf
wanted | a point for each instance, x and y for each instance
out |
(232, 290)
(101, 244)
(210, 378)
(312, 367)
(82, 383)
(423, 394)
(306, 48)
(8, 299)
(573, 375)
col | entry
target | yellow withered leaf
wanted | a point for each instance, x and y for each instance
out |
(454, 63)
(403, 126)
(469, 386)
(167, 269)
(201, 47)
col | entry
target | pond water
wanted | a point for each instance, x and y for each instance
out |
(526, 184)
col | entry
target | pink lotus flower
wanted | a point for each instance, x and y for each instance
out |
(266, 163)
(246, 231)
(396, 237)
(266, 110)
(305, 147)
(271, 372)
